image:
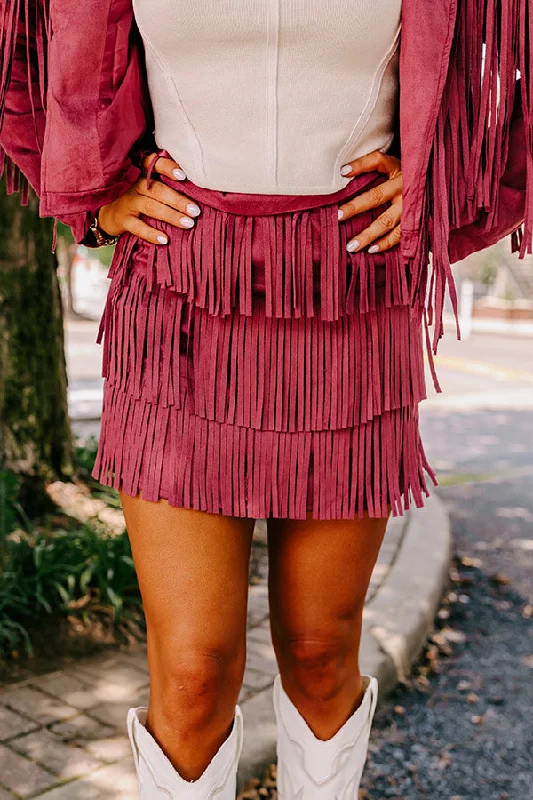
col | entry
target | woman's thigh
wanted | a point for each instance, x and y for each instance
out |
(319, 572)
(192, 568)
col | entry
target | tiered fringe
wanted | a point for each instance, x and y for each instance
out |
(256, 368)
(489, 88)
(194, 462)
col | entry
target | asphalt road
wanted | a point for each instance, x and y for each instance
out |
(461, 728)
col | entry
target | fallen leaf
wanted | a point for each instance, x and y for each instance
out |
(472, 697)
(503, 605)
(467, 561)
(451, 635)
(443, 761)
(500, 579)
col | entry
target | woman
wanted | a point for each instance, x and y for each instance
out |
(263, 330)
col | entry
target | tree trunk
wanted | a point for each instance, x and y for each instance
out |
(35, 437)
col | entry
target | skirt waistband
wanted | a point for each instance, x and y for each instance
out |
(250, 204)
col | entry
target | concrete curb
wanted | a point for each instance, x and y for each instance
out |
(396, 622)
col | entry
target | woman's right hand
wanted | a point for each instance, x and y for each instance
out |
(159, 201)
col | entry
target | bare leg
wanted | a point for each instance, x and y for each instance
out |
(319, 572)
(193, 575)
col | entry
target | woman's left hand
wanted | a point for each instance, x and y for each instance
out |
(384, 232)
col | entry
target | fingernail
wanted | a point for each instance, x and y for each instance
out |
(193, 209)
(351, 246)
(374, 249)
(179, 174)
(346, 169)
(187, 222)
(340, 213)
(162, 239)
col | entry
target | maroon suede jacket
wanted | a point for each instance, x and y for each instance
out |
(76, 117)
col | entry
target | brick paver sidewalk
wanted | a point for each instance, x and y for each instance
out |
(63, 737)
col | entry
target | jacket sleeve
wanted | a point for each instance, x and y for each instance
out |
(511, 208)
(72, 114)
(96, 106)
(22, 114)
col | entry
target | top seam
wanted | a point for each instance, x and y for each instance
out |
(171, 83)
(359, 126)
(272, 90)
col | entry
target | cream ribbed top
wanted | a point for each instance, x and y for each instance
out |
(271, 96)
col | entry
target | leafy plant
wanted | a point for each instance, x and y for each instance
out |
(58, 567)
(86, 450)
(83, 571)
(12, 514)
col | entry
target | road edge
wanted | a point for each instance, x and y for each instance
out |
(397, 620)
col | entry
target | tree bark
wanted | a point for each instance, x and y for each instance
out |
(35, 436)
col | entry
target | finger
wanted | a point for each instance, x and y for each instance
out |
(165, 194)
(386, 242)
(153, 208)
(165, 166)
(388, 190)
(144, 231)
(376, 160)
(379, 227)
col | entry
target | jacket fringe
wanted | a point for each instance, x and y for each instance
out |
(489, 74)
(23, 23)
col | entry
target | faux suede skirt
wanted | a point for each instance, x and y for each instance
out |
(255, 368)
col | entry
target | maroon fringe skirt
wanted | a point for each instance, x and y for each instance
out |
(255, 368)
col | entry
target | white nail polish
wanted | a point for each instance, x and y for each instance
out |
(340, 213)
(374, 249)
(179, 174)
(193, 209)
(187, 222)
(352, 246)
(346, 169)
(162, 239)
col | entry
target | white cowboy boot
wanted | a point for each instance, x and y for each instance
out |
(158, 779)
(314, 769)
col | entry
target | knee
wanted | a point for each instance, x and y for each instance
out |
(195, 689)
(318, 667)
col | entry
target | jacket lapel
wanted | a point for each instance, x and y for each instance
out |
(426, 38)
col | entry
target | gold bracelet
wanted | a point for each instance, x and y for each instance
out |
(100, 236)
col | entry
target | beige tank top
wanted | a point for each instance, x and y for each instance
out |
(271, 96)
